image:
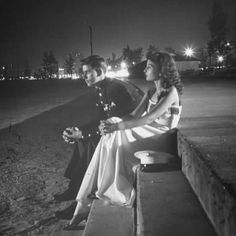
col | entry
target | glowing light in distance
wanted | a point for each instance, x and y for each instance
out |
(188, 51)
(220, 58)
(119, 73)
(123, 65)
(111, 74)
(122, 73)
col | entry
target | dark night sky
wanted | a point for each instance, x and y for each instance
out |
(30, 27)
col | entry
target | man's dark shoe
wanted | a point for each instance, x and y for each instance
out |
(66, 196)
(67, 213)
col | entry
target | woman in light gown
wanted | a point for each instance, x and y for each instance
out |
(111, 173)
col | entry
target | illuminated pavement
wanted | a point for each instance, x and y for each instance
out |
(207, 133)
(207, 127)
(206, 145)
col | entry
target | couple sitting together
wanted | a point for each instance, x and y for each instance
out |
(108, 146)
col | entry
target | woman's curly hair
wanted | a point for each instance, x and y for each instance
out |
(166, 65)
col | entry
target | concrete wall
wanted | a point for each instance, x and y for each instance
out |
(187, 65)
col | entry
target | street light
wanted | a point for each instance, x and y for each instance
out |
(123, 65)
(220, 58)
(188, 52)
(91, 39)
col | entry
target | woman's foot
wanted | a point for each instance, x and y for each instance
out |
(76, 219)
(81, 213)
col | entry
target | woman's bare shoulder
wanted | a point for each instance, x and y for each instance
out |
(173, 93)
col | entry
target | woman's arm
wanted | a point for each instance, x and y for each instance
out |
(157, 111)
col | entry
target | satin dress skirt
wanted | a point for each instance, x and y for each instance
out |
(111, 172)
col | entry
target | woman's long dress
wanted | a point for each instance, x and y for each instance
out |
(111, 172)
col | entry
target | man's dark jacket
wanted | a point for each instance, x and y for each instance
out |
(112, 98)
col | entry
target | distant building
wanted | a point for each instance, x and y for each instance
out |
(184, 63)
(63, 75)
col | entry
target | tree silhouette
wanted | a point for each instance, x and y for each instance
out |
(132, 56)
(170, 50)
(217, 25)
(69, 64)
(50, 65)
(114, 61)
(203, 56)
(77, 55)
(152, 49)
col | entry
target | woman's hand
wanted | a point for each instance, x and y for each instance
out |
(71, 134)
(106, 127)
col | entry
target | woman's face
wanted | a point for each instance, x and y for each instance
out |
(150, 71)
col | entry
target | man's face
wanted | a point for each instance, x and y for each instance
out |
(90, 75)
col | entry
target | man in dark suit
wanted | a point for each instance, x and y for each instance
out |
(111, 99)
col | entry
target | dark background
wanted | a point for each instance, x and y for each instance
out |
(29, 28)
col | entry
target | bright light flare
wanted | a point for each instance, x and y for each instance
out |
(111, 74)
(220, 58)
(188, 51)
(120, 73)
(123, 65)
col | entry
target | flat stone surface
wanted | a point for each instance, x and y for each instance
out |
(207, 122)
(208, 151)
(107, 220)
(214, 139)
(75, 232)
(167, 206)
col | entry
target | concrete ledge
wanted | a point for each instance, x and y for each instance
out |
(207, 149)
(167, 206)
(107, 220)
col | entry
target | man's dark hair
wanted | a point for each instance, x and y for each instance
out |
(95, 61)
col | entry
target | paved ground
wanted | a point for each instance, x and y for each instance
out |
(210, 98)
(20, 100)
(200, 99)
(43, 156)
(207, 147)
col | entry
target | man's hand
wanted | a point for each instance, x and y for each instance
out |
(71, 134)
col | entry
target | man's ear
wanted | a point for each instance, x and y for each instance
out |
(99, 72)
